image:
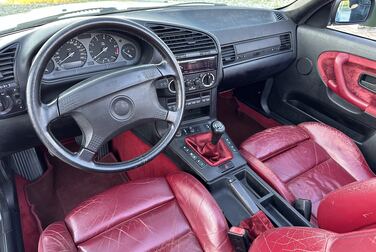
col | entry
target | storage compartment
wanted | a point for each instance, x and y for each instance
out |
(315, 111)
(279, 211)
(251, 183)
(196, 113)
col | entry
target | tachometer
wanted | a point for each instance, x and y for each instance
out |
(71, 55)
(103, 48)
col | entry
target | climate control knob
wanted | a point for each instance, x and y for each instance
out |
(208, 79)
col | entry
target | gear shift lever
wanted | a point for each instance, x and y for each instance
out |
(218, 129)
(209, 145)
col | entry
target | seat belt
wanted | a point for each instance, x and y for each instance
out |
(248, 230)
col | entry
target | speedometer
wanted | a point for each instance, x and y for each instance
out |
(103, 48)
(71, 55)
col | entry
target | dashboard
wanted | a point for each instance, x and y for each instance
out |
(92, 52)
(217, 47)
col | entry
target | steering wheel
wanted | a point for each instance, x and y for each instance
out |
(105, 105)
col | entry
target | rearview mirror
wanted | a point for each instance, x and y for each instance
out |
(351, 11)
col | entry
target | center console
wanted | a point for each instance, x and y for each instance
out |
(239, 191)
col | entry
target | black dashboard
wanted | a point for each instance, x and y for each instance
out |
(217, 47)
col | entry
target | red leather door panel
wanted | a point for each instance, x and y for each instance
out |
(341, 72)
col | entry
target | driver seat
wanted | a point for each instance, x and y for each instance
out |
(171, 213)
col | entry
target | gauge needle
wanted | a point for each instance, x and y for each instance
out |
(69, 56)
(104, 50)
(128, 54)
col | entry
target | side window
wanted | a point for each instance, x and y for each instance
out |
(355, 17)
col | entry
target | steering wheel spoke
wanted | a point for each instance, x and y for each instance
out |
(85, 155)
(172, 117)
(166, 70)
(49, 112)
(97, 127)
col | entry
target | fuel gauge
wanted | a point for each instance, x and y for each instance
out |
(129, 51)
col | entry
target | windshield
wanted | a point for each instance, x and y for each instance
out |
(20, 14)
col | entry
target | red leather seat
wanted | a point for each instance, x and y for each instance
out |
(345, 210)
(172, 213)
(306, 161)
(313, 239)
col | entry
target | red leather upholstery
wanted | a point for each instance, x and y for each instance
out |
(341, 72)
(350, 208)
(256, 224)
(214, 155)
(172, 213)
(313, 239)
(306, 161)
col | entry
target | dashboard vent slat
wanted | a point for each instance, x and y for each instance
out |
(285, 42)
(279, 16)
(182, 41)
(228, 54)
(7, 59)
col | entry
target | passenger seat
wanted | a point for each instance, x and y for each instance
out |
(306, 161)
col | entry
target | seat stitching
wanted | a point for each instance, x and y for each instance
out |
(287, 148)
(313, 167)
(127, 220)
(344, 138)
(173, 240)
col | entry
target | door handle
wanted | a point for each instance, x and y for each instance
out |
(341, 87)
(368, 82)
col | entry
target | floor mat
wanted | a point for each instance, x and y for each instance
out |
(239, 126)
(29, 226)
(62, 187)
(128, 146)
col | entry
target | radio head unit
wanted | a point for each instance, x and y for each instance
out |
(198, 65)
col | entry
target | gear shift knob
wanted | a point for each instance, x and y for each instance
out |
(218, 129)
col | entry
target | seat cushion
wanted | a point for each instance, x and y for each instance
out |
(313, 239)
(169, 213)
(306, 161)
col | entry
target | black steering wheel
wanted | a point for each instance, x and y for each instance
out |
(105, 105)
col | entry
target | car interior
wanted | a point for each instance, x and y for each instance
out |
(190, 127)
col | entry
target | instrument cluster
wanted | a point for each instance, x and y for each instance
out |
(91, 52)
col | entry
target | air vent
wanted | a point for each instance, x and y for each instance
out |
(279, 16)
(228, 54)
(7, 64)
(285, 42)
(183, 42)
